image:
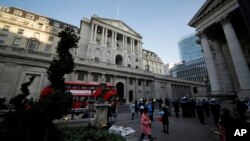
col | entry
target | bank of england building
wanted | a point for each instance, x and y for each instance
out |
(108, 51)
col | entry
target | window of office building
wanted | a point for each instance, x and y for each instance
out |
(18, 13)
(139, 82)
(2, 38)
(108, 78)
(48, 48)
(147, 83)
(6, 28)
(4, 9)
(97, 59)
(33, 44)
(95, 78)
(131, 81)
(80, 76)
(39, 26)
(51, 38)
(20, 31)
(44, 20)
(17, 42)
(30, 17)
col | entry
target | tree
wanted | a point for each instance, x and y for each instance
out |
(59, 101)
(35, 123)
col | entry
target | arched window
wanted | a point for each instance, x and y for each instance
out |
(97, 59)
(118, 60)
(33, 44)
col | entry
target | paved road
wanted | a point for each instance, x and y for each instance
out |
(181, 129)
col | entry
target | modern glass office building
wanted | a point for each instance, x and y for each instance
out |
(189, 49)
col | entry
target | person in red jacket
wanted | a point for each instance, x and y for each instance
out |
(145, 125)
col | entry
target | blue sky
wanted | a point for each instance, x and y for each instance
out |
(162, 23)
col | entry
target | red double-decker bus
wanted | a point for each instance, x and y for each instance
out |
(85, 92)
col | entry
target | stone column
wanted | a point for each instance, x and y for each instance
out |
(92, 32)
(173, 91)
(213, 78)
(169, 91)
(103, 79)
(136, 88)
(139, 44)
(239, 61)
(153, 85)
(89, 77)
(115, 40)
(114, 81)
(112, 40)
(123, 42)
(178, 90)
(95, 32)
(126, 95)
(191, 91)
(106, 36)
(140, 48)
(131, 45)
(103, 29)
(144, 88)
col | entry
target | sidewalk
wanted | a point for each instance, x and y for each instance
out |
(180, 129)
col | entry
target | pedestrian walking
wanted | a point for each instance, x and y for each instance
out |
(184, 106)
(150, 110)
(141, 106)
(132, 110)
(136, 108)
(215, 110)
(113, 112)
(192, 107)
(205, 106)
(165, 120)
(176, 107)
(145, 125)
(199, 111)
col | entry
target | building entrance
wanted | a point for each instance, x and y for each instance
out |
(120, 90)
(131, 97)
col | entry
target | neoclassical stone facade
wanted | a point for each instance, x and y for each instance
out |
(152, 62)
(109, 51)
(224, 36)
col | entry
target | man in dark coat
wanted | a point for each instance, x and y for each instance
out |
(192, 107)
(176, 107)
(165, 121)
(184, 106)
(215, 110)
(227, 125)
(205, 106)
(199, 111)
